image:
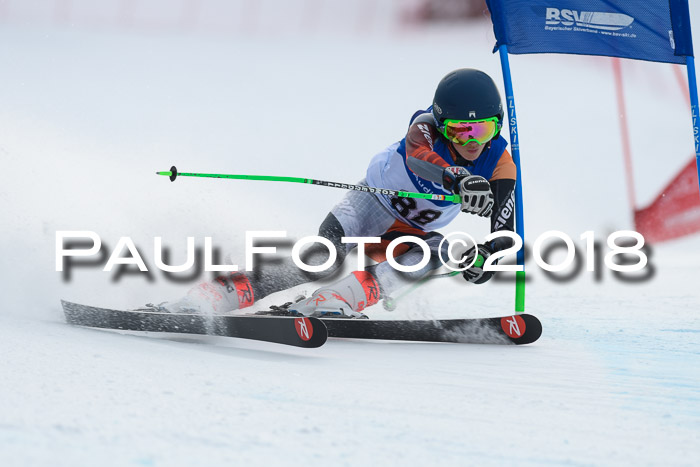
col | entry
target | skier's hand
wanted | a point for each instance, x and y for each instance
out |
(476, 194)
(476, 273)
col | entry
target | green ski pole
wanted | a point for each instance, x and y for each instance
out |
(173, 174)
(390, 303)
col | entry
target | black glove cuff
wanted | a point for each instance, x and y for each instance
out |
(451, 176)
(499, 244)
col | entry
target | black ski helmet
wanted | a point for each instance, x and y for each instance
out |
(467, 94)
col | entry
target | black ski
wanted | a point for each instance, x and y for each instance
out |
(299, 332)
(517, 329)
(274, 326)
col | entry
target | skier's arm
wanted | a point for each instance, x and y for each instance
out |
(502, 184)
(420, 157)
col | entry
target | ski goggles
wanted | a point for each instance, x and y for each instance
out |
(465, 131)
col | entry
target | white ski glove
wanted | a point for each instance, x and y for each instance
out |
(476, 194)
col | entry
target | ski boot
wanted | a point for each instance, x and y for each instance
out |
(220, 296)
(346, 298)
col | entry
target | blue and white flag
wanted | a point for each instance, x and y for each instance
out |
(654, 30)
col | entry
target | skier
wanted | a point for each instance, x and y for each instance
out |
(454, 146)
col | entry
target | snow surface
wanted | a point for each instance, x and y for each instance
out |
(88, 116)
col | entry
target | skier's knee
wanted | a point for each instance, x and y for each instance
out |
(333, 231)
(318, 254)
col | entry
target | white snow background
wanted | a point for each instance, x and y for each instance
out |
(90, 110)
